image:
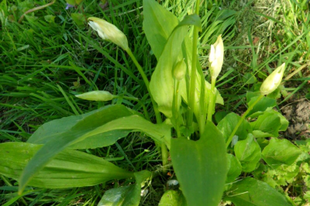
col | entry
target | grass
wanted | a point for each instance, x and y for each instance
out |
(52, 55)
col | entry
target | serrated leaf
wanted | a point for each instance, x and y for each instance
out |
(248, 153)
(279, 152)
(69, 168)
(251, 192)
(201, 166)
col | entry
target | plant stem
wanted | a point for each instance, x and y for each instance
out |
(192, 88)
(241, 120)
(164, 151)
(211, 102)
(175, 108)
(146, 82)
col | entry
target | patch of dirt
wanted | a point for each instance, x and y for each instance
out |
(298, 114)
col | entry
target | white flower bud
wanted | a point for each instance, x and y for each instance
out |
(272, 82)
(102, 96)
(216, 57)
(109, 32)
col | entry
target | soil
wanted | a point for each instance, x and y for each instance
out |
(298, 114)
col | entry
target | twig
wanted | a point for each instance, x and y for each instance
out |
(34, 9)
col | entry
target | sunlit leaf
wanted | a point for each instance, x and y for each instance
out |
(201, 166)
(69, 168)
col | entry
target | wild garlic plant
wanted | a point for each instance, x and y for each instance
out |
(206, 158)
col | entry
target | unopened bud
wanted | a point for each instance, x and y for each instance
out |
(272, 82)
(216, 57)
(102, 96)
(109, 32)
(179, 70)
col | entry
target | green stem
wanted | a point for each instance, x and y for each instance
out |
(192, 88)
(146, 82)
(211, 102)
(241, 120)
(175, 109)
(164, 151)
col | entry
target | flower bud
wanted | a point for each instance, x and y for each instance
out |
(179, 70)
(216, 57)
(272, 82)
(109, 32)
(102, 96)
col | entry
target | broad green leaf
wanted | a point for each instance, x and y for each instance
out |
(279, 152)
(234, 168)
(201, 166)
(228, 124)
(60, 128)
(128, 195)
(248, 153)
(172, 198)
(162, 81)
(100, 140)
(252, 192)
(69, 168)
(269, 124)
(158, 132)
(95, 124)
(261, 106)
(107, 135)
(158, 24)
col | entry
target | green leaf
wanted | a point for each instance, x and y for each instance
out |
(92, 125)
(248, 153)
(251, 192)
(269, 124)
(234, 168)
(79, 19)
(229, 122)
(158, 132)
(61, 127)
(201, 166)
(279, 152)
(128, 195)
(100, 132)
(162, 80)
(172, 198)
(69, 168)
(261, 106)
(158, 24)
